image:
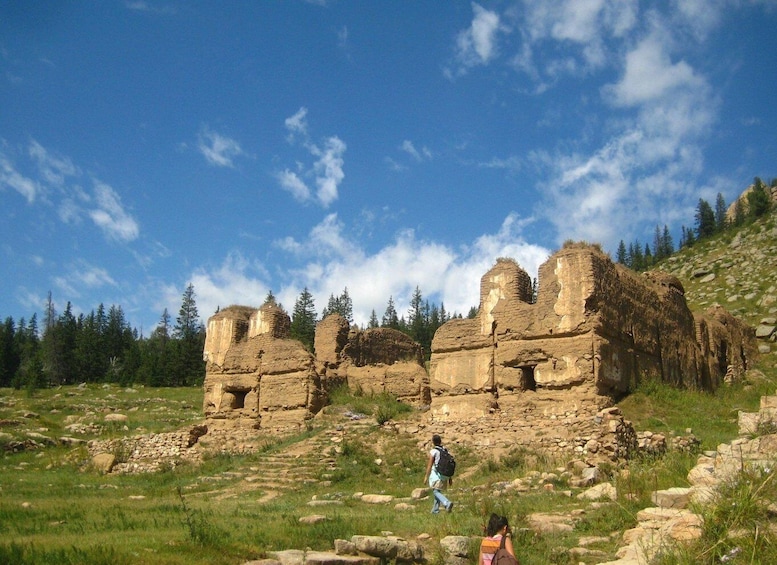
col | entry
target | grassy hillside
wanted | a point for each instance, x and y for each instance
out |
(56, 508)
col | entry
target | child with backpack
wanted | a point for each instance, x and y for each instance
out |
(497, 547)
(439, 474)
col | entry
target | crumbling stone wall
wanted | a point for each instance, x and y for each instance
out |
(257, 376)
(595, 332)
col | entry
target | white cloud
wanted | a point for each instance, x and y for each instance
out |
(297, 123)
(476, 45)
(327, 169)
(409, 148)
(236, 281)
(218, 149)
(110, 215)
(643, 168)
(331, 258)
(342, 37)
(80, 278)
(650, 74)
(291, 182)
(579, 31)
(155, 8)
(11, 178)
(54, 169)
(332, 261)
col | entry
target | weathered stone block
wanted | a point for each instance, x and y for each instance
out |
(461, 407)
(290, 390)
(471, 369)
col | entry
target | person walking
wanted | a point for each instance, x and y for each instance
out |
(437, 481)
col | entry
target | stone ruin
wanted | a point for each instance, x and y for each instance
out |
(544, 373)
(257, 376)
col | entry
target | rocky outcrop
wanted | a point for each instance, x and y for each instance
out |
(257, 376)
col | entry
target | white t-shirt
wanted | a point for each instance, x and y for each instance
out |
(434, 476)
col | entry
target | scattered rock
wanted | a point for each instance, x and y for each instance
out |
(104, 462)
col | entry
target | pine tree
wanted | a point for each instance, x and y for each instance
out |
(620, 255)
(339, 305)
(9, 354)
(637, 259)
(390, 318)
(758, 200)
(187, 323)
(374, 322)
(190, 333)
(657, 244)
(417, 320)
(720, 213)
(158, 358)
(90, 354)
(30, 373)
(303, 319)
(705, 219)
(667, 245)
(690, 238)
(346, 306)
(739, 213)
(60, 346)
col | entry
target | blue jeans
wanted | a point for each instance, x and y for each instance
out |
(439, 500)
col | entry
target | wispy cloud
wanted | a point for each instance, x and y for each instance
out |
(149, 7)
(650, 160)
(54, 169)
(110, 216)
(332, 257)
(327, 171)
(651, 150)
(295, 185)
(217, 149)
(477, 45)
(81, 276)
(297, 124)
(55, 183)
(11, 178)
(419, 155)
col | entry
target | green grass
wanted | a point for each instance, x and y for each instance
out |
(54, 510)
(711, 417)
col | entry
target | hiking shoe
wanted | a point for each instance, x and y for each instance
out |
(449, 507)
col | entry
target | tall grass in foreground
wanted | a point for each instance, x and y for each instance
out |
(738, 528)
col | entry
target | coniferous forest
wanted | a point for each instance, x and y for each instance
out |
(101, 346)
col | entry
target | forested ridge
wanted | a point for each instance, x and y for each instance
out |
(101, 346)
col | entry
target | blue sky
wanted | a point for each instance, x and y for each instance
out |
(379, 146)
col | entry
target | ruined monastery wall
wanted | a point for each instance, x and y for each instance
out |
(522, 372)
(257, 376)
(595, 332)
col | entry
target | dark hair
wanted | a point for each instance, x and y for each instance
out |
(436, 440)
(495, 524)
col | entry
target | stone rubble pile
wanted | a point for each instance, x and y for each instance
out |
(145, 453)
(671, 521)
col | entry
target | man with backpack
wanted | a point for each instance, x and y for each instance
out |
(439, 474)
